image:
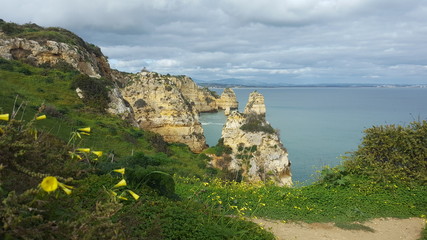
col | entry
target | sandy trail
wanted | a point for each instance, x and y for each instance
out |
(383, 229)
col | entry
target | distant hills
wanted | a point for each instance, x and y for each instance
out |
(241, 83)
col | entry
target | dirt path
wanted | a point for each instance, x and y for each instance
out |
(381, 229)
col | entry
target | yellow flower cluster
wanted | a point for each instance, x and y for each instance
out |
(122, 183)
(81, 152)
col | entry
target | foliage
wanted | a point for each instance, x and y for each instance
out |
(392, 153)
(95, 91)
(337, 176)
(211, 92)
(29, 154)
(165, 219)
(257, 123)
(359, 201)
(219, 149)
(92, 211)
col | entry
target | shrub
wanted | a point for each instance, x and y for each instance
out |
(392, 153)
(27, 153)
(221, 149)
(95, 91)
(257, 123)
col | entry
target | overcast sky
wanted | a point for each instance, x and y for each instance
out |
(287, 41)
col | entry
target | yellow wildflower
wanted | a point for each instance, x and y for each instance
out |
(86, 129)
(85, 133)
(134, 195)
(49, 184)
(86, 150)
(41, 117)
(121, 170)
(97, 153)
(123, 198)
(120, 184)
(4, 117)
(65, 188)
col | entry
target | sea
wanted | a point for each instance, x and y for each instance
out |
(318, 126)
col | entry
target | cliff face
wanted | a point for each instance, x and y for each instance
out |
(256, 148)
(51, 52)
(200, 98)
(161, 107)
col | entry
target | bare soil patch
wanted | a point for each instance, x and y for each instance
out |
(376, 229)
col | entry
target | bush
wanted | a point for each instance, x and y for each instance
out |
(392, 153)
(257, 123)
(26, 153)
(95, 91)
(221, 149)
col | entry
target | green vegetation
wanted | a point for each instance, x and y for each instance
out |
(211, 92)
(392, 153)
(257, 123)
(95, 91)
(31, 150)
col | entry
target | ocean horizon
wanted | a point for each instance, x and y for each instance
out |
(319, 125)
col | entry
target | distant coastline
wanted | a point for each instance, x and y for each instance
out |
(338, 85)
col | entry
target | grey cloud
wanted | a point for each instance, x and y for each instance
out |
(275, 40)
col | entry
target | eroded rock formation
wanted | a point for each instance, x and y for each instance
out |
(227, 101)
(161, 107)
(256, 148)
(51, 52)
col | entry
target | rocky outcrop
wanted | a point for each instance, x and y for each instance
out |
(255, 104)
(160, 106)
(256, 148)
(52, 53)
(120, 107)
(200, 98)
(227, 101)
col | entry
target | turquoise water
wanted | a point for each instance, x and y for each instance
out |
(318, 125)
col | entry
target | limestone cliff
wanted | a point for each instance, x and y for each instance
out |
(227, 101)
(200, 98)
(52, 53)
(256, 148)
(160, 106)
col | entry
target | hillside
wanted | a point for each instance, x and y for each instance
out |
(81, 168)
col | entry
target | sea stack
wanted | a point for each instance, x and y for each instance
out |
(256, 150)
(227, 101)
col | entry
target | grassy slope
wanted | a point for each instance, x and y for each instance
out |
(90, 201)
